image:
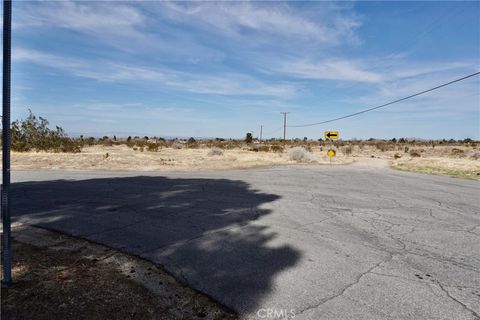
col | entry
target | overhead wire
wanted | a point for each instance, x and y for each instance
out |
(385, 104)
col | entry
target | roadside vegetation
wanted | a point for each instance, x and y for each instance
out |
(34, 133)
(37, 145)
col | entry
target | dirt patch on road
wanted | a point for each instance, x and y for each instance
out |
(60, 277)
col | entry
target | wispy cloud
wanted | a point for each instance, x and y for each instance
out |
(237, 18)
(101, 19)
(343, 70)
(105, 71)
(121, 25)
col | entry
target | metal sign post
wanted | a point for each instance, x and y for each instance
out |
(7, 54)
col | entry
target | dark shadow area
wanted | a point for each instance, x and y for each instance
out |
(201, 230)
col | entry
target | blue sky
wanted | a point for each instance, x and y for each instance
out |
(220, 69)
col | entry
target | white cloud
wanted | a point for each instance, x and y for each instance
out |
(123, 26)
(278, 19)
(342, 70)
(97, 18)
(105, 71)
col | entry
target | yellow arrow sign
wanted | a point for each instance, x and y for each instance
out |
(331, 153)
(332, 135)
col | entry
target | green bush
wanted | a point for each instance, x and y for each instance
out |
(248, 137)
(34, 134)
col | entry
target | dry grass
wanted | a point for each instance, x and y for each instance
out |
(455, 160)
(300, 154)
(121, 157)
(60, 277)
(459, 168)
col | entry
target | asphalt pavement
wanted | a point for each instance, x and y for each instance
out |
(302, 242)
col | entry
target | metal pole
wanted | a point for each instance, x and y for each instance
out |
(7, 54)
(261, 129)
(284, 125)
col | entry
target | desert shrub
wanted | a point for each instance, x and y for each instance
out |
(414, 153)
(130, 143)
(218, 144)
(214, 151)
(192, 143)
(276, 148)
(381, 145)
(347, 150)
(153, 147)
(248, 137)
(300, 154)
(307, 147)
(34, 134)
(177, 145)
(457, 152)
(475, 155)
(397, 156)
(140, 143)
(406, 149)
(107, 142)
(262, 148)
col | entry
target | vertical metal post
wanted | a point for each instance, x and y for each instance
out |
(261, 131)
(284, 125)
(6, 241)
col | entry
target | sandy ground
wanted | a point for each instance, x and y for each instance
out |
(83, 280)
(166, 159)
(443, 160)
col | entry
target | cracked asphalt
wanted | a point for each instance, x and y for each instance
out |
(316, 242)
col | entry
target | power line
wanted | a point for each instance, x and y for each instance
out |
(408, 43)
(274, 131)
(386, 104)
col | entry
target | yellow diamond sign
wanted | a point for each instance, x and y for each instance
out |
(331, 135)
(331, 153)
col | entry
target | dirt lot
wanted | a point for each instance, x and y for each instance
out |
(458, 161)
(60, 277)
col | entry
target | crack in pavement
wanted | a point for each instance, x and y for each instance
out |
(341, 292)
(475, 314)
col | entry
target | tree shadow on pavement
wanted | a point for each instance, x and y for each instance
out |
(202, 230)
